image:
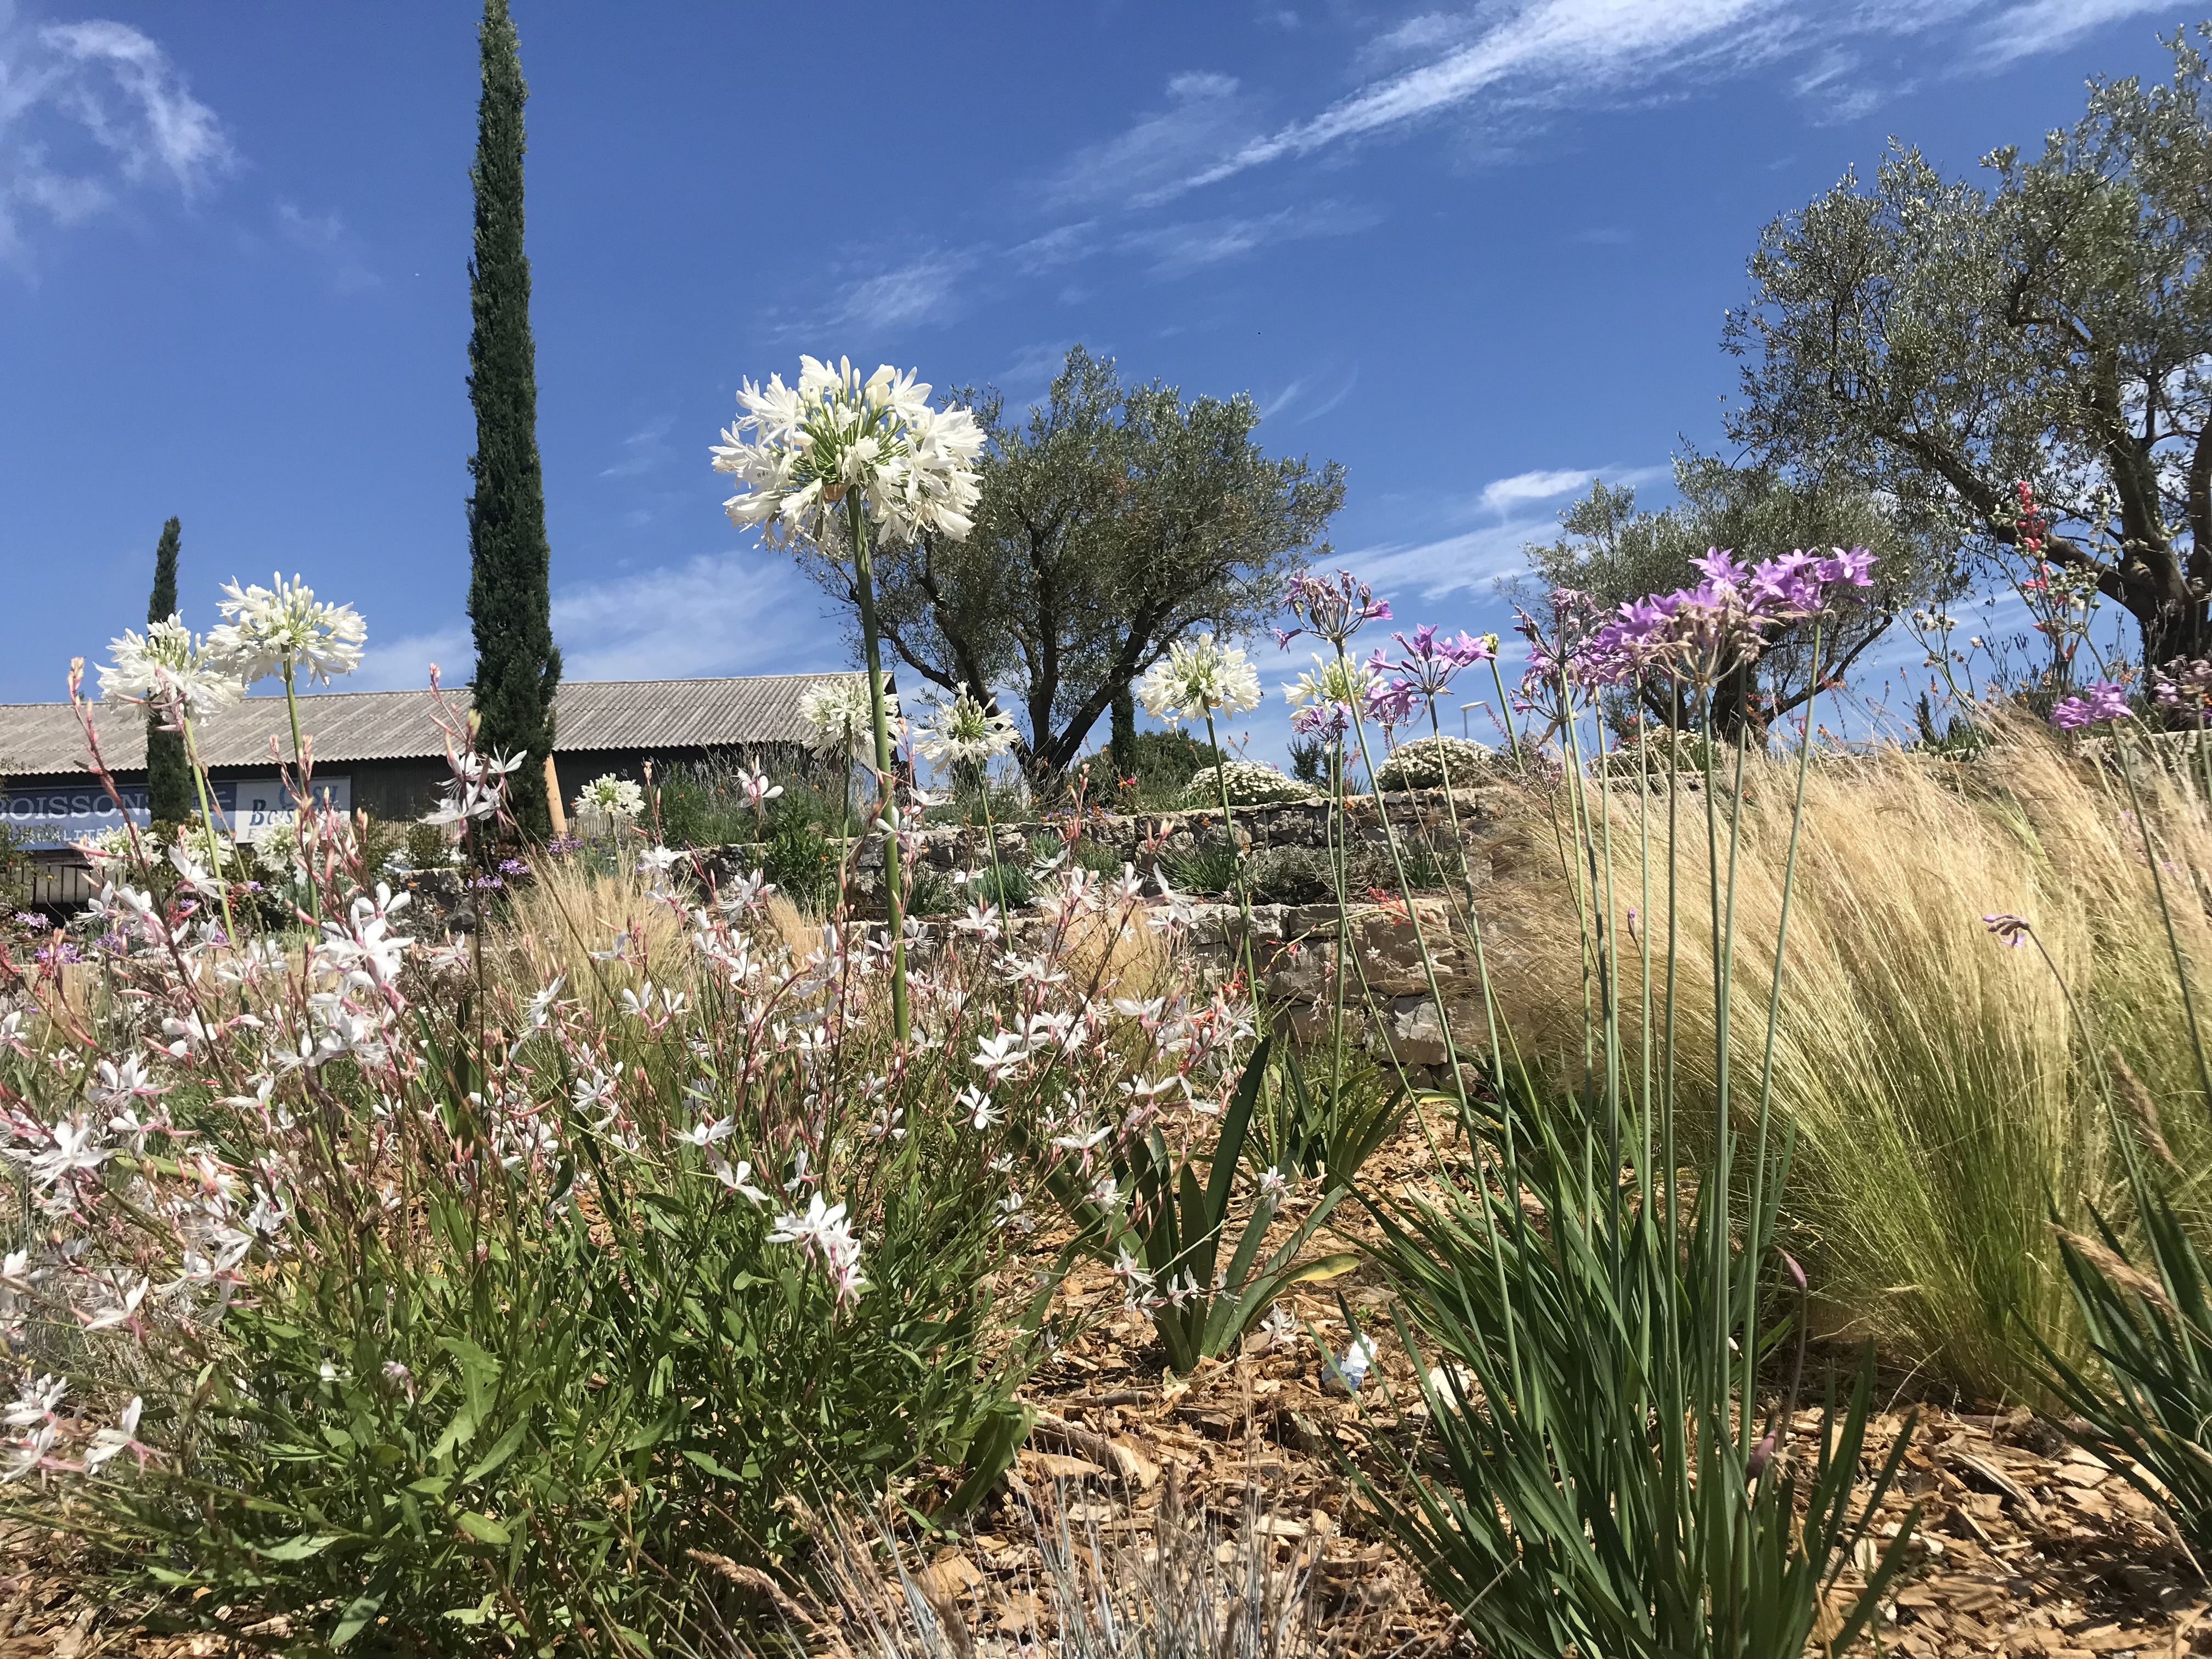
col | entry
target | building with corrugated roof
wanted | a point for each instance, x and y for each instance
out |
(384, 752)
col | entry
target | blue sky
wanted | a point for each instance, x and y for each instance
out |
(1475, 254)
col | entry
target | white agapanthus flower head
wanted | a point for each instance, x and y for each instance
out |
(171, 666)
(837, 715)
(612, 794)
(1333, 679)
(1200, 677)
(964, 730)
(266, 631)
(797, 451)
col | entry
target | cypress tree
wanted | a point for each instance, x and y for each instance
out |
(510, 600)
(168, 776)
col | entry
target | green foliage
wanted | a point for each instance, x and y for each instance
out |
(1938, 342)
(1118, 519)
(2151, 1409)
(1204, 870)
(428, 848)
(1007, 886)
(1176, 1225)
(488, 1417)
(510, 600)
(1592, 1488)
(800, 858)
(169, 794)
(1319, 1123)
(1426, 763)
(1309, 761)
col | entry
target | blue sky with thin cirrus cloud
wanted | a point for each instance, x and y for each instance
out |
(1477, 254)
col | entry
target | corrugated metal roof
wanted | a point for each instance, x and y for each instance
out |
(41, 739)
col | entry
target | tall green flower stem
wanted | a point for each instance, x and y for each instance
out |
(1243, 881)
(864, 588)
(1413, 910)
(1504, 716)
(207, 823)
(300, 804)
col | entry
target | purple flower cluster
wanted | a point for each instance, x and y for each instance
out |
(513, 867)
(561, 845)
(1723, 621)
(31, 922)
(1331, 610)
(1426, 663)
(2185, 682)
(2107, 700)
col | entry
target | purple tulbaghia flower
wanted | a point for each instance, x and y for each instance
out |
(31, 922)
(2183, 682)
(1393, 705)
(2107, 700)
(2008, 929)
(1427, 662)
(1724, 620)
(1332, 610)
(513, 867)
(1326, 721)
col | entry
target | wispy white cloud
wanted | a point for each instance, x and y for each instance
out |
(1333, 397)
(705, 616)
(923, 290)
(1542, 51)
(1062, 245)
(2041, 26)
(326, 237)
(643, 450)
(1503, 495)
(403, 664)
(88, 112)
(1474, 558)
(1206, 115)
(1177, 249)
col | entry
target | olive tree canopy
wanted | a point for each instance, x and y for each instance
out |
(1114, 520)
(1941, 343)
(1617, 554)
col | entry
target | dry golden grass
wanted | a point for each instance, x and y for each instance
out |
(553, 925)
(1940, 1091)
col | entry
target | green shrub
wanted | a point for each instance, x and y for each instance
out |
(1250, 783)
(1425, 763)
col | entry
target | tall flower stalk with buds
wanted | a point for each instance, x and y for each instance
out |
(179, 679)
(284, 629)
(895, 466)
(966, 734)
(1196, 680)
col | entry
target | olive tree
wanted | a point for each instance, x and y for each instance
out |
(1942, 341)
(1114, 521)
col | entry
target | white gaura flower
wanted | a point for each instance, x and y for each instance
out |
(172, 667)
(796, 452)
(964, 730)
(1201, 678)
(269, 630)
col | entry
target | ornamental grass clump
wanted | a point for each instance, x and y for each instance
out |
(1902, 1036)
(455, 1294)
(1610, 1477)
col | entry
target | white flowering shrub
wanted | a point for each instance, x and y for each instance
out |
(1432, 762)
(1250, 783)
(503, 1279)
